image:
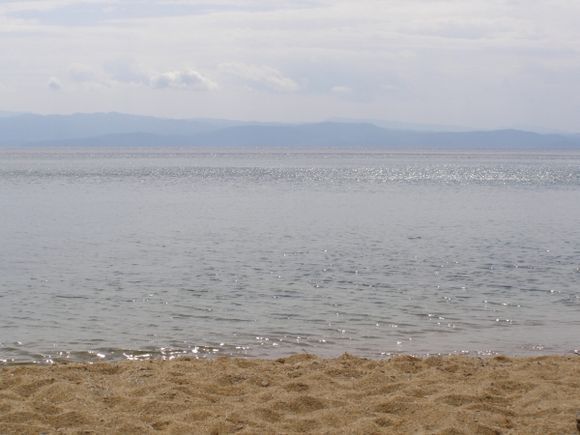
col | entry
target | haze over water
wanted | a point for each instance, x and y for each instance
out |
(111, 255)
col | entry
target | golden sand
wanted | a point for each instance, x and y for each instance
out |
(302, 393)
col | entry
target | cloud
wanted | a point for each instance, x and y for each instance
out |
(126, 71)
(341, 90)
(260, 76)
(81, 73)
(54, 84)
(186, 79)
(76, 13)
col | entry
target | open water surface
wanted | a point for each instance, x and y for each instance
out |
(137, 254)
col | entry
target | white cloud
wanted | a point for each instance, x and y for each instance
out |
(81, 73)
(126, 71)
(77, 13)
(341, 90)
(260, 76)
(186, 79)
(54, 84)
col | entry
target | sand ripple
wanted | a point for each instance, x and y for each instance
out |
(302, 393)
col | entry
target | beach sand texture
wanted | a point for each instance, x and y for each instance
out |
(302, 393)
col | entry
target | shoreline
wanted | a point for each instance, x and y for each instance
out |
(211, 353)
(299, 393)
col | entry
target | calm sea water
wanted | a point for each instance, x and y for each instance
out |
(141, 254)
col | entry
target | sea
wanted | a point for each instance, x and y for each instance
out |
(138, 254)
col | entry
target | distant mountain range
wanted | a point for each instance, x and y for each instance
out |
(121, 130)
(7, 114)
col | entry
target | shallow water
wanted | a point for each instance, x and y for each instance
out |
(107, 255)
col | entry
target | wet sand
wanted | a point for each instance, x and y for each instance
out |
(302, 393)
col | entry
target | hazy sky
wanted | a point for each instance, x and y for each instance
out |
(478, 63)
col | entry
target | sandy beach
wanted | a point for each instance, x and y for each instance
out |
(298, 394)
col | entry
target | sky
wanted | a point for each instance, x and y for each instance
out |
(471, 63)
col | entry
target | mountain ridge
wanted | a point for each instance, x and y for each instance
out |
(123, 130)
